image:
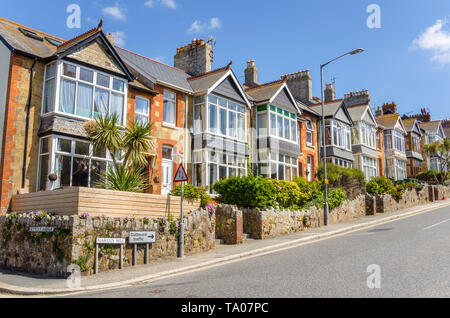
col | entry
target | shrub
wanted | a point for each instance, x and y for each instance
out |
(122, 179)
(380, 185)
(431, 177)
(310, 193)
(409, 186)
(191, 192)
(336, 198)
(287, 194)
(335, 172)
(246, 192)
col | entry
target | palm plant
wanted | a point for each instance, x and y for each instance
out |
(128, 147)
(440, 150)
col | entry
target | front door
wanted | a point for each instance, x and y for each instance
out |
(309, 169)
(167, 177)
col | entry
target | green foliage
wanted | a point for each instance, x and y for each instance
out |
(408, 186)
(82, 263)
(336, 198)
(123, 179)
(137, 141)
(335, 172)
(246, 192)
(380, 185)
(191, 192)
(431, 177)
(287, 194)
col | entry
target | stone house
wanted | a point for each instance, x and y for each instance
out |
(433, 132)
(364, 134)
(394, 142)
(413, 147)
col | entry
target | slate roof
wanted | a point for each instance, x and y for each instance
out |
(330, 108)
(18, 41)
(409, 124)
(388, 121)
(357, 112)
(431, 127)
(203, 82)
(155, 70)
(264, 92)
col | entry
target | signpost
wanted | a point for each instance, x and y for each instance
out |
(109, 241)
(181, 176)
(41, 229)
(146, 238)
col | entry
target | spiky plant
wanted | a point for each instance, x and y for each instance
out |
(137, 142)
(122, 179)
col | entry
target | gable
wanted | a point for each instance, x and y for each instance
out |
(368, 118)
(229, 89)
(399, 126)
(441, 132)
(343, 116)
(283, 100)
(416, 129)
(97, 54)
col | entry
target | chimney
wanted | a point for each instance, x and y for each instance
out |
(329, 93)
(378, 112)
(300, 85)
(357, 98)
(110, 38)
(389, 108)
(251, 74)
(194, 58)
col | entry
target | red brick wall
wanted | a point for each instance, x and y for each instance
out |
(308, 150)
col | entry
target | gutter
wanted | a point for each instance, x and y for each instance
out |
(27, 125)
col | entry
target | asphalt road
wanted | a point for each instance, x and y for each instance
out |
(413, 256)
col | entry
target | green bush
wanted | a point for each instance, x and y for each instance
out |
(336, 198)
(335, 172)
(311, 193)
(380, 185)
(409, 186)
(287, 194)
(191, 192)
(246, 192)
(431, 177)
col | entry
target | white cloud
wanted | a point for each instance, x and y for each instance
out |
(119, 38)
(200, 26)
(115, 12)
(169, 3)
(149, 3)
(437, 40)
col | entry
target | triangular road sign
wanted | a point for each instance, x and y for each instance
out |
(181, 175)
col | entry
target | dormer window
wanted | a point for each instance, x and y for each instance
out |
(83, 92)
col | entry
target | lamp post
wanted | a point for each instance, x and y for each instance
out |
(324, 153)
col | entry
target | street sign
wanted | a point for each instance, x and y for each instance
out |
(181, 175)
(142, 237)
(41, 229)
(115, 241)
(327, 181)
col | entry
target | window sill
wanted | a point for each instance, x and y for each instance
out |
(166, 125)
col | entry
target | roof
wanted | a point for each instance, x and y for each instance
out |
(203, 82)
(357, 112)
(388, 121)
(42, 45)
(431, 127)
(330, 108)
(154, 70)
(409, 124)
(264, 92)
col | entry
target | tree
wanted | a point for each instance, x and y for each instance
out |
(441, 152)
(128, 147)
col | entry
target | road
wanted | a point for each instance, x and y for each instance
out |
(413, 255)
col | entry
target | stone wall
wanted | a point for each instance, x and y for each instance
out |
(349, 210)
(73, 241)
(229, 224)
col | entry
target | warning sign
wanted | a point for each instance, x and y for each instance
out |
(181, 175)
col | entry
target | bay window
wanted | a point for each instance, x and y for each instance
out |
(75, 162)
(142, 110)
(400, 169)
(277, 166)
(226, 118)
(82, 92)
(341, 135)
(367, 135)
(222, 165)
(282, 123)
(369, 167)
(399, 141)
(169, 108)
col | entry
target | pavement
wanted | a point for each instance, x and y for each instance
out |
(225, 256)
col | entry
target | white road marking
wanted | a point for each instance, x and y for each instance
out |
(431, 226)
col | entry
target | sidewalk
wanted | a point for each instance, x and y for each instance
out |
(22, 284)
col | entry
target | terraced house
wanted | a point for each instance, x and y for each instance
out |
(433, 132)
(413, 146)
(394, 141)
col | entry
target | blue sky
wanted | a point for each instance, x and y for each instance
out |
(407, 60)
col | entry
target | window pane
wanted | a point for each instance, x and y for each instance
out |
(293, 130)
(212, 174)
(222, 172)
(80, 174)
(84, 100)
(64, 145)
(49, 96)
(232, 106)
(241, 126)
(67, 99)
(212, 99)
(212, 118)
(101, 102)
(99, 153)
(169, 111)
(280, 126)
(287, 128)
(62, 169)
(142, 119)
(199, 99)
(232, 172)
(97, 169)
(198, 119)
(167, 153)
(51, 71)
(232, 124)
(44, 145)
(86, 75)
(69, 70)
(262, 124)
(280, 172)
(118, 85)
(142, 106)
(43, 173)
(288, 176)
(117, 104)
(102, 80)
(273, 124)
(222, 102)
(223, 121)
(82, 148)
(273, 168)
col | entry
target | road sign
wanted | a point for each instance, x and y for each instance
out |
(181, 175)
(327, 181)
(142, 237)
(116, 241)
(41, 229)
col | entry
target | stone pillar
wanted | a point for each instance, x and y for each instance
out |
(229, 224)
(430, 193)
(371, 205)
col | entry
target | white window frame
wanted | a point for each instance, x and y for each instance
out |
(367, 135)
(60, 76)
(174, 101)
(136, 113)
(241, 170)
(292, 121)
(369, 167)
(309, 132)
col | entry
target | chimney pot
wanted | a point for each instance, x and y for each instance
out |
(194, 58)
(300, 85)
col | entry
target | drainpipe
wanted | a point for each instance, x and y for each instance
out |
(27, 125)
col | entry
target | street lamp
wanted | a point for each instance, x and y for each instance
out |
(324, 153)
